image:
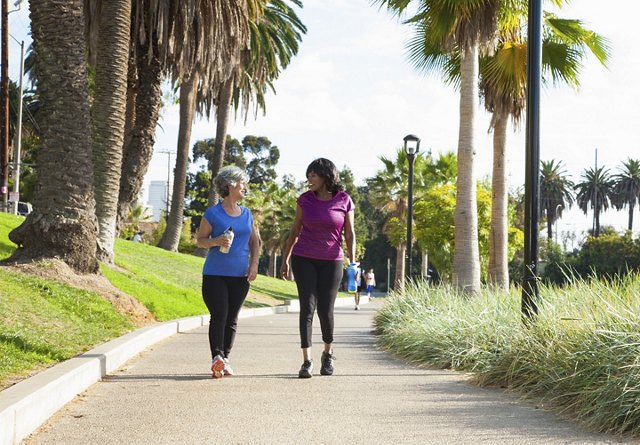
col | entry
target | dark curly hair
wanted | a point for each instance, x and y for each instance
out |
(327, 171)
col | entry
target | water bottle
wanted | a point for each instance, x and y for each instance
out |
(352, 271)
(228, 234)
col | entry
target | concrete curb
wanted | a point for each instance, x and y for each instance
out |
(28, 404)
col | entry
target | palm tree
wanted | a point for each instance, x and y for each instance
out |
(443, 26)
(556, 192)
(275, 35)
(204, 35)
(108, 113)
(171, 236)
(626, 189)
(63, 222)
(503, 88)
(595, 191)
(144, 101)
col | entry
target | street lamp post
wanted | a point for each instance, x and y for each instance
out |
(411, 148)
(529, 305)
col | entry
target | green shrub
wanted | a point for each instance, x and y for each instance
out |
(580, 357)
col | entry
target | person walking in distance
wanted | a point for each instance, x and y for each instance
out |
(371, 282)
(313, 252)
(359, 281)
(227, 230)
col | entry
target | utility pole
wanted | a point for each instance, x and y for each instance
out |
(16, 153)
(595, 196)
(4, 84)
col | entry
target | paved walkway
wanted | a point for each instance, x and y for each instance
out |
(166, 396)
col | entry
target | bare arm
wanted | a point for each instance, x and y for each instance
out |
(350, 236)
(291, 241)
(203, 239)
(254, 251)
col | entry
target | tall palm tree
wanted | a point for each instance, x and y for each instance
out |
(626, 189)
(108, 110)
(595, 191)
(556, 192)
(171, 236)
(144, 101)
(63, 222)
(208, 35)
(503, 88)
(443, 26)
(275, 36)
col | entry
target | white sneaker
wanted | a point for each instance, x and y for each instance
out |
(228, 370)
(217, 367)
(357, 307)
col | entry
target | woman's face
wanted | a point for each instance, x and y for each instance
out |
(238, 191)
(315, 181)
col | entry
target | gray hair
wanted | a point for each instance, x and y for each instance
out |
(229, 176)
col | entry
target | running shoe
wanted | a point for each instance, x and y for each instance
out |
(327, 363)
(217, 367)
(228, 370)
(306, 369)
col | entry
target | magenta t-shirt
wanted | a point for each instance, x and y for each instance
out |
(322, 223)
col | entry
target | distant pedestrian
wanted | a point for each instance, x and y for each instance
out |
(313, 252)
(231, 264)
(371, 282)
(359, 283)
(137, 238)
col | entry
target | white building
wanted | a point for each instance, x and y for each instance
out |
(158, 199)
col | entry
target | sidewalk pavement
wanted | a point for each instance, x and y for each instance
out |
(166, 396)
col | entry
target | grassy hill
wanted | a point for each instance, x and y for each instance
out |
(44, 321)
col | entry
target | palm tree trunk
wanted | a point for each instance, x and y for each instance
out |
(597, 214)
(401, 252)
(466, 260)
(108, 118)
(631, 208)
(222, 123)
(273, 260)
(549, 227)
(63, 222)
(425, 265)
(498, 236)
(129, 125)
(171, 236)
(139, 150)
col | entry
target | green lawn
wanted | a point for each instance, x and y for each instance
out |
(44, 321)
(7, 223)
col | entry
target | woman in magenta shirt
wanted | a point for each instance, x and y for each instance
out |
(313, 253)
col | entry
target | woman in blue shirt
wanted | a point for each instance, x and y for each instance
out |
(226, 276)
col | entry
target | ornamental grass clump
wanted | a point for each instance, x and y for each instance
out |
(580, 357)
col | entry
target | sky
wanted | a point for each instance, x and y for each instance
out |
(351, 95)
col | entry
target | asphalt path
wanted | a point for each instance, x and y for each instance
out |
(167, 396)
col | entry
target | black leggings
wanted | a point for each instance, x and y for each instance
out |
(224, 297)
(318, 282)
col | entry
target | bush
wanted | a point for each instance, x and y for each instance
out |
(609, 255)
(579, 358)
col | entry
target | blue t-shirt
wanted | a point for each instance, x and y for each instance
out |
(235, 263)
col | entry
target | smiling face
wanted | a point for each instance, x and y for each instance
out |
(238, 191)
(315, 182)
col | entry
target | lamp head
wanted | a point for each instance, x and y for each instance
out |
(411, 144)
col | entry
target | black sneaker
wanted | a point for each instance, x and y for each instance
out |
(327, 363)
(306, 369)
